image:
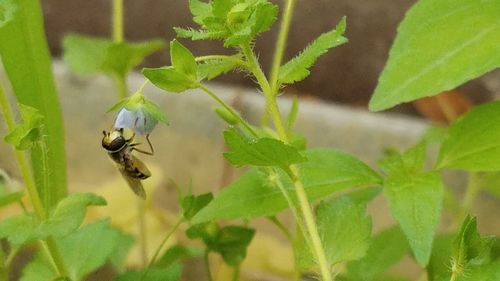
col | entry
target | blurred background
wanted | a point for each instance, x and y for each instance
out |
(347, 74)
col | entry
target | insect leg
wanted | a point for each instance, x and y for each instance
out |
(152, 152)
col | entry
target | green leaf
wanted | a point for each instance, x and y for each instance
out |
(230, 241)
(192, 204)
(256, 193)
(415, 199)
(69, 214)
(469, 248)
(488, 272)
(9, 198)
(200, 10)
(263, 17)
(81, 251)
(439, 46)
(298, 68)
(178, 253)
(344, 228)
(121, 58)
(28, 65)
(473, 140)
(172, 273)
(89, 55)
(182, 59)
(19, 229)
(386, 249)
(169, 79)
(24, 135)
(7, 10)
(259, 152)
(213, 68)
(440, 257)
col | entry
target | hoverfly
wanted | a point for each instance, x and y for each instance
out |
(120, 150)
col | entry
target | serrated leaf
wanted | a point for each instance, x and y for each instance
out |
(469, 248)
(255, 194)
(81, 252)
(298, 68)
(473, 140)
(200, 10)
(344, 229)
(259, 152)
(263, 17)
(69, 214)
(199, 34)
(182, 59)
(7, 10)
(9, 198)
(386, 249)
(89, 55)
(192, 204)
(415, 199)
(24, 135)
(169, 79)
(171, 273)
(439, 46)
(213, 68)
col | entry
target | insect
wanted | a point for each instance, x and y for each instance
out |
(120, 150)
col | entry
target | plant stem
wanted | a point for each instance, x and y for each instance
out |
(281, 44)
(292, 171)
(120, 86)
(165, 239)
(310, 223)
(21, 159)
(55, 254)
(141, 221)
(236, 273)
(470, 195)
(207, 265)
(228, 108)
(118, 21)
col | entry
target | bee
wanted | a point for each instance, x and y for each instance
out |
(120, 150)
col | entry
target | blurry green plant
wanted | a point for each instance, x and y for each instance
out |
(439, 46)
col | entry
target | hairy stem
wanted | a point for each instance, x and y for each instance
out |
(228, 108)
(279, 50)
(165, 239)
(292, 171)
(30, 184)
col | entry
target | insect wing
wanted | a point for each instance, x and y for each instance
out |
(140, 169)
(134, 183)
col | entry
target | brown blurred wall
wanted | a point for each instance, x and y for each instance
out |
(347, 74)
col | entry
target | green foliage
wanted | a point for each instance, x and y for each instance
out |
(415, 198)
(386, 249)
(182, 59)
(9, 198)
(172, 273)
(27, 63)
(24, 135)
(297, 69)
(439, 46)
(230, 241)
(81, 251)
(439, 263)
(259, 152)
(88, 55)
(213, 68)
(472, 140)
(236, 21)
(257, 194)
(178, 253)
(192, 204)
(63, 220)
(344, 229)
